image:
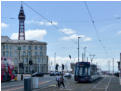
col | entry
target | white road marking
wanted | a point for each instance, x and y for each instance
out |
(108, 84)
(11, 86)
(97, 84)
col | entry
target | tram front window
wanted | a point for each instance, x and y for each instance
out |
(84, 71)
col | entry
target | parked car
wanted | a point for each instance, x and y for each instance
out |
(52, 73)
(38, 74)
(116, 74)
(58, 73)
(68, 75)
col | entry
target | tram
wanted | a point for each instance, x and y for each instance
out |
(86, 72)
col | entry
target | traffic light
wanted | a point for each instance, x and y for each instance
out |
(30, 62)
(70, 56)
(62, 66)
(56, 67)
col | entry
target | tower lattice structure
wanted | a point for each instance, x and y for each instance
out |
(21, 17)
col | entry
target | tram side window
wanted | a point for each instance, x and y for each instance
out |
(81, 71)
(93, 71)
(89, 71)
(76, 70)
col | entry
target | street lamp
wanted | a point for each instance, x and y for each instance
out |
(85, 53)
(78, 48)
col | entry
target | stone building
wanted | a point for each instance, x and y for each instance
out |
(23, 51)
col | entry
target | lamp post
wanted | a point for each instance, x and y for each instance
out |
(78, 48)
(19, 48)
(84, 53)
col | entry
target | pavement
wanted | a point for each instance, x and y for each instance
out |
(48, 83)
(19, 85)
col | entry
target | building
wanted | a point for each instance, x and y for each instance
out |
(24, 51)
(27, 55)
(73, 67)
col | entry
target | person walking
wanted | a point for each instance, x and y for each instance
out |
(58, 80)
(62, 81)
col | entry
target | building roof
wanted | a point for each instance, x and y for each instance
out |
(6, 39)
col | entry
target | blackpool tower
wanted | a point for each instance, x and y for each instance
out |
(21, 17)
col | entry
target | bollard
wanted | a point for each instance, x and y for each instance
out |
(21, 76)
(35, 82)
(27, 84)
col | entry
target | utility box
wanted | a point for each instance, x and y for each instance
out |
(27, 84)
(35, 82)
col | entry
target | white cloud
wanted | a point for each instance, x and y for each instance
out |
(67, 31)
(75, 36)
(4, 25)
(87, 39)
(42, 23)
(119, 32)
(36, 34)
(50, 23)
(71, 37)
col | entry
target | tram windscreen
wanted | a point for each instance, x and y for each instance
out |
(84, 71)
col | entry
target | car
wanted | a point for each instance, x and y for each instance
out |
(58, 73)
(68, 75)
(52, 73)
(38, 74)
(116, 74)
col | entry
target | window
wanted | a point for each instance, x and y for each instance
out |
(6, 46)
(3, 53)
(10, 53)
(24, 53)
(3, 46)
(29, 53)
(40, 53)
(10, 47)
(39, 60)
(84, 71)
(29, 47)
(36, 53)
(26, 60)
(24, 47)
(35, 47)
(40, 48)
(6, 53)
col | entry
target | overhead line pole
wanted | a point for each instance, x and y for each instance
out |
(113, 65)
(78, 48)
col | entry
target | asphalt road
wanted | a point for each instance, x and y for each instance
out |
(48, 83)
(107, 83)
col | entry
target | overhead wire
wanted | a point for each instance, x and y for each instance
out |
(50, 21)
(95, 28)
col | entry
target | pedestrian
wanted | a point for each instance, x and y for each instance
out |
(62, 81)
(58, 80)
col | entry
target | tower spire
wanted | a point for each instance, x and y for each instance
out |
(21, 17)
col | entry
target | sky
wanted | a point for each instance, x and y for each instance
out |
(70, 19)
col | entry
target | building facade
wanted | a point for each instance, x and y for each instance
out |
(73, 67)
(24, 51)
